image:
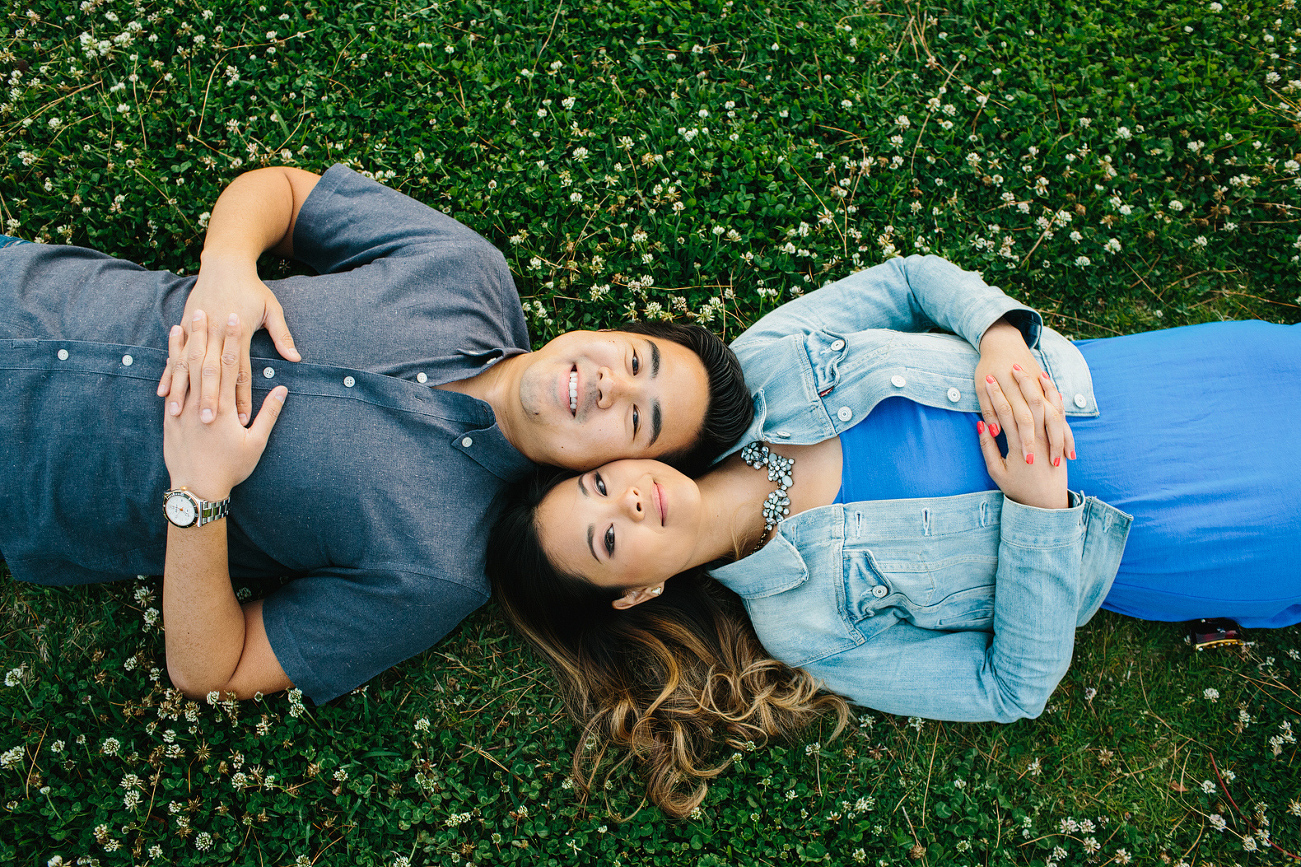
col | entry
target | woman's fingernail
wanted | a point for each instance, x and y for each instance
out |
(994, 428)
(980, 427)
(173, 408)
(1057, 461)
(1072, 455)
(989, 378)
(1029, 459)
(1016, 367)
(205, 415)
(243, 418)
(1044, 374)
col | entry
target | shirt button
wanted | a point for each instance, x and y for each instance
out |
(954, 395)
(127, 361)
(268, 372)
(837, 345)
(63, 355)
(349, 382)
(1080, 401)
(467, 442)
(784, 434)
(898, 381)
(844, 413)
(879, 591)
(422, 377)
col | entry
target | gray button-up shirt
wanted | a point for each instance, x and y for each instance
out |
(375, 489)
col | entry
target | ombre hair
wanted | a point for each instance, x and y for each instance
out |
(664, 682)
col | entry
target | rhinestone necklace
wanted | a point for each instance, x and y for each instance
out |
(780, 470)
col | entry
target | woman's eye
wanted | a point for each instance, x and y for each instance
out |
(609, 541)
(636, 363)
(600, 483)
(636, 421)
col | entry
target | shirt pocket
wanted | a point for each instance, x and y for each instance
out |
(799, 613)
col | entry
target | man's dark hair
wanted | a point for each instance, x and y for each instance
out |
(730, 409)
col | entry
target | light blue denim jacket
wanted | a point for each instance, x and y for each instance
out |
(893, 603)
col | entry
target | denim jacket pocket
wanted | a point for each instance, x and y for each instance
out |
(797, 612)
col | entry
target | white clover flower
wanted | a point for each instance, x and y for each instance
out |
(1217, 821)
(1091, 845)
(1083, 261)
(15, 675)
(12, 757)
(1176, 205)
(1211, 694)
(903, 121)
(576, 197)
(1215, 7)
(110, 746)
(1112, 246)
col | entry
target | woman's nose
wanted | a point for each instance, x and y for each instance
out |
(631, 503)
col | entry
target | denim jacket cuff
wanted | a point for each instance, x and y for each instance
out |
(1032, 527)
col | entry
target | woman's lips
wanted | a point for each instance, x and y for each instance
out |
(659, 502)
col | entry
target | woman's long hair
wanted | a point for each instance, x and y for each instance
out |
(664, 680)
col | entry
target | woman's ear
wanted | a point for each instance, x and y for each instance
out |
(638, 596)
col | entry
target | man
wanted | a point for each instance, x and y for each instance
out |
(415, 401)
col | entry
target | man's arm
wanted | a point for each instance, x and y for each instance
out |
(212, 642)
(257, 212)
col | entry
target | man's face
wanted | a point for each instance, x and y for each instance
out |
(589, 397)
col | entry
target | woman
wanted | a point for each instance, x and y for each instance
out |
(876, 571)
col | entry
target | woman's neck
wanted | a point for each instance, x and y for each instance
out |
(732, 497)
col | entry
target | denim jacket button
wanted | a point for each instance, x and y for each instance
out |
(784, 434)
(954, 395)
(1080, 401)
(898, 381)
(837, 345)
(879, 591)
(844, 413)
(422, 377)
(63, 354)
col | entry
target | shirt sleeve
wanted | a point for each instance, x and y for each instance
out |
(978, 676)
(349, 220)
(333, 630)
(918, 293)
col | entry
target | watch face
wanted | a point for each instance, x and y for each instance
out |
(181, 510)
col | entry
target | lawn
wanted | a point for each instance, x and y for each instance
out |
(1120, 166)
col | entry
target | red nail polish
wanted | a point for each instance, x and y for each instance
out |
(1016, 367)
(1057, 462)
(989, 378)
(1072, 454)
(980, 427)
(1044, 374)
(1029, 459)
(994, 428)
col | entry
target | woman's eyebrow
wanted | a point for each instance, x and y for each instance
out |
(591, 533)
(582, 487)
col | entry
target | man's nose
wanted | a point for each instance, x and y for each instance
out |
(632, 503)
(611, 386)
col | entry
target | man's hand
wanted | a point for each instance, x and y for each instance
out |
(230, 286)
(1034, 403)
(205, 447)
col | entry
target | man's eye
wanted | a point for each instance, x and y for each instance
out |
(636, 421)
(636, 363)
(609, 541)
(600, 483)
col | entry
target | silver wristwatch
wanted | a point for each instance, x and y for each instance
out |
(184, 509)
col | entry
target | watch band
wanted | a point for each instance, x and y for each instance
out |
(212, 510)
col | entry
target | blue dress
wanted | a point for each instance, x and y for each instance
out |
(1197, 438)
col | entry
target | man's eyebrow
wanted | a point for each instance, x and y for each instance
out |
(591, 532)
(657, 421)
(655, 358)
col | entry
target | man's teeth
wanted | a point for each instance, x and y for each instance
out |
(573, 391)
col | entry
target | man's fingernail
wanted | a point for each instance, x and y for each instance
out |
(233, 320)
(173, 408)
(176, 331)
(243, 418)
(1029, 459)
(198, 315)
(1057, 461)
(205, 415)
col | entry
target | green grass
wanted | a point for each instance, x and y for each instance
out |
(789, 180)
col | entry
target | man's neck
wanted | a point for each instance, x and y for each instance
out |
(494, 385)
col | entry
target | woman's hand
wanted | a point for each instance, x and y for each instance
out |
(1029, 482)
(231, 284)
(205, 447)
(1003, 355)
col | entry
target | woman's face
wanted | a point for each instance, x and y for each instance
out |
(628, 524)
